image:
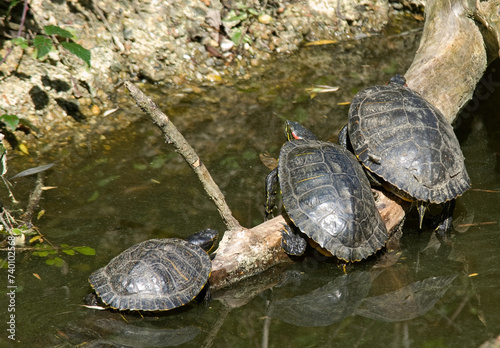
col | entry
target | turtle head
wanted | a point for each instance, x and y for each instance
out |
(294, 130)
(204, 239)
(398, 79)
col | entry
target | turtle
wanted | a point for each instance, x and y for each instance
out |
(327, 197)
(157, 274)
(407, 146)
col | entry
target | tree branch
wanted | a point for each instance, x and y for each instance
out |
(173, 136)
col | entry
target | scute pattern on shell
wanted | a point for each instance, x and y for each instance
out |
(417, 147)
(155, 275)
(328, 197)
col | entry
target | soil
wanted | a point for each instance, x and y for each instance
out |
(172, 43)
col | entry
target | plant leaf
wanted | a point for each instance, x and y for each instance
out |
(55, 30)
(24, 149)
(20, 41)
(85, 250)
(16, 232)
(10, 120)
(43, 45)
(78, 50)
(32, 171)
(56, 261)
(236, 35)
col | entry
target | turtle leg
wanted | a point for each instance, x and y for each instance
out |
(291, 242)
(343, 137)
(446, 217)
(271, 191)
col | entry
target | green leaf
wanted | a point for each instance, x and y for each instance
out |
(43, 45)
(41, 253)
(253, 12)
(56, 261)
(85, 250)
(20, 41)
(106, 181)
(94, 196)
(237, 18)
(247, 39)
(140, 166)
(69, 251)
(78, 50)
(55, 30)
(10, 120)
(13, 3)
(236, 35)
(158, 162)
(16, 232)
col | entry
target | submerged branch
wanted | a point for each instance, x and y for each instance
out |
(172, 135)
(35, 197)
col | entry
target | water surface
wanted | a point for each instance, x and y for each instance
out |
(129, 186)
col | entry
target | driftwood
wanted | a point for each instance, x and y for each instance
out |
(459, 39)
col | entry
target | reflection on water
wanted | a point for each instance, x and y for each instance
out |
(129, 186)
(408, 302)
(326, 305)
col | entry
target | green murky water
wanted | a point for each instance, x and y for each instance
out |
(130, 186)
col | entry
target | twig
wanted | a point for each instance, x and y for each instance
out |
(215, 328)
(34, 199)
(172, 135)
(99, 12)
(478, 224)
(21, 25)
(487, 191)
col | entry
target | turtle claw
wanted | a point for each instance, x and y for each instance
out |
(446, 217)
(421, 208)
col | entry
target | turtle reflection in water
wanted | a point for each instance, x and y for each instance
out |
(407, 146)
(326, 305)
(408, 302)
(116, 332)
(327, 196)
(157, 274)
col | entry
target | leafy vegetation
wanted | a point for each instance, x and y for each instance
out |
(44, 43)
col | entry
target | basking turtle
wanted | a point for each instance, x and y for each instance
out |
(327, 196)
(407, 145)
(157, 274)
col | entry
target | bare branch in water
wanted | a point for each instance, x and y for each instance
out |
(172, 135)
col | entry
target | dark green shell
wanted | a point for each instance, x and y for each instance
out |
(328, 197)
(407, 142)
(155, 275)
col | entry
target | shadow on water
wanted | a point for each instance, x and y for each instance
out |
(129, 186)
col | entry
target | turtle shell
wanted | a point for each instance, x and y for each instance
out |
(328, 197)
(406, 141)
(155, 275)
